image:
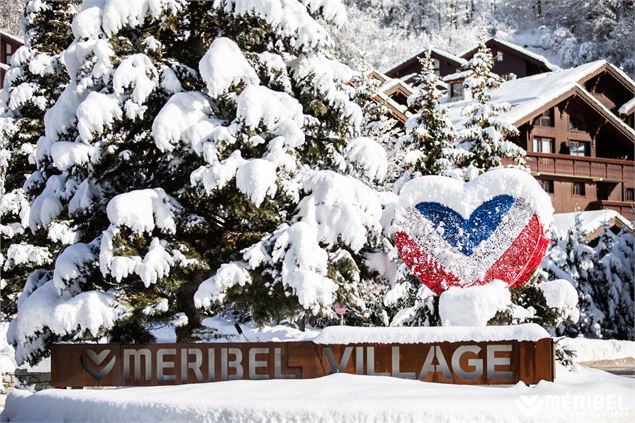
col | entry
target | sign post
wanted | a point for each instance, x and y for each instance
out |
(340, 309)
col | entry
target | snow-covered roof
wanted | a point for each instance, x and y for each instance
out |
(456, 76)
(530, 94)
(11, 36)
(628, 107)
(449, 56)
(591, 221)
(622, 75)
(522, 50)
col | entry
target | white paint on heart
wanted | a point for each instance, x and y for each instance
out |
(468, 269)
(465, 197)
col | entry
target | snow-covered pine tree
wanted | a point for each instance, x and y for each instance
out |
(32, 85)
(378, 123)
(428, 148)
(200, 139)
(486, 134)
(571, 257)
(310, 253)
(613, 282)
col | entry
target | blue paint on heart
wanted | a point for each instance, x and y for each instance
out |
(467, 234)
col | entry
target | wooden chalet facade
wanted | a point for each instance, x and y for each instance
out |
(8, 45)
(512, 59)
(445, 64)
(581, 155)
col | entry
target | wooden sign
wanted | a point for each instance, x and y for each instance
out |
(474, 363)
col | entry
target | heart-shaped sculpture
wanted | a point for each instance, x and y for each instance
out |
(451, 233)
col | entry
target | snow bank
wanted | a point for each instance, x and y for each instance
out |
(600, 350)
(580, 395)
(429, 334)
(252, 333)
(475, 305)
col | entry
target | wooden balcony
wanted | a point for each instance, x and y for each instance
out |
(594, 168)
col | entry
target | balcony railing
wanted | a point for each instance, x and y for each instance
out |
(596, 168)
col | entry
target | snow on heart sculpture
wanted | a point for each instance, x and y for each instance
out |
(452, 233)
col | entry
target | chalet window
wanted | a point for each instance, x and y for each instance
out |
(579, 148)
(578, 189)
(546, 118)
(437, 66)
(630, 194)
(399, 98)
(8, 51)
(604, 191)
(576, 123)
(543, 145)
(456, 89)
(547, 185)
(499, 56)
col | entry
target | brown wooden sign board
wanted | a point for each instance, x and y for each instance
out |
(474, 363)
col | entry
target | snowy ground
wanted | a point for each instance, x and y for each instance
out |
(580, 395)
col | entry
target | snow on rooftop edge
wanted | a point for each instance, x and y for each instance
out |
(429, 334)
(626, 107)
(590, 220)
(529, 53)
(440, 52)
(530, 93)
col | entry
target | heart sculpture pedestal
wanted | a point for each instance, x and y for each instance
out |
(451, 233)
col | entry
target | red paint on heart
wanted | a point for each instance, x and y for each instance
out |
(515, 266)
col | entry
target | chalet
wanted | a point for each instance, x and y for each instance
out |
(578, 149)
(8, 45)
(445, 64)
(510, 59)
(393, 93)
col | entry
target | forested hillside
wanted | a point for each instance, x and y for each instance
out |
(567, 32)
